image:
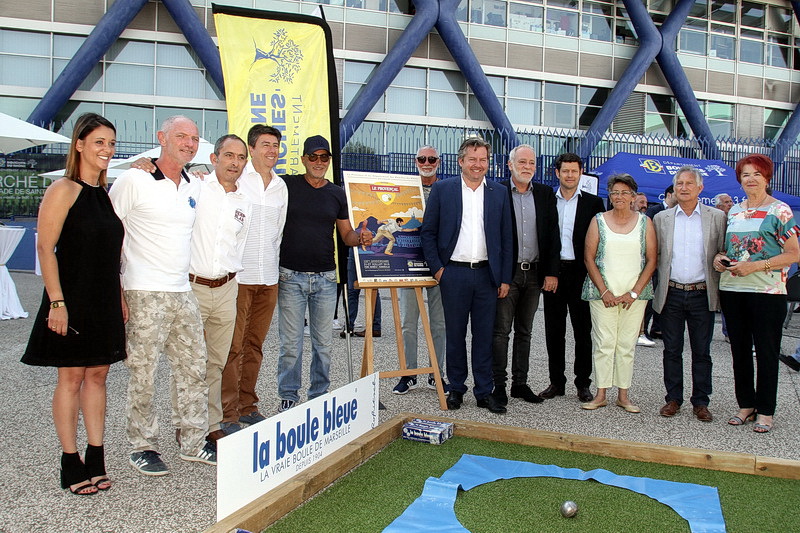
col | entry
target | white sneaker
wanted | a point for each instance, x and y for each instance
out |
(337, 326)
(644, 341)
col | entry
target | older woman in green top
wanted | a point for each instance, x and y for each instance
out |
(761, 244)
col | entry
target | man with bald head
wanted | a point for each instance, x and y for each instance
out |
(158, 212)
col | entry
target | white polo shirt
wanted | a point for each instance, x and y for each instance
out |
(220, 230)
(263, 245)
(158, 218)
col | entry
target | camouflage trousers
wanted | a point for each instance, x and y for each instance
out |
(168, 323)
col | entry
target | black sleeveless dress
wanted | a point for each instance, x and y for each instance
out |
(88, 253)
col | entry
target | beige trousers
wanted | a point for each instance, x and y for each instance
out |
(614, 334)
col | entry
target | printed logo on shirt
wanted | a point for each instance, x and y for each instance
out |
(192, 202)
(239, 216)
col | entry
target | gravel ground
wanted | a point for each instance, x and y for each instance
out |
(185, 500)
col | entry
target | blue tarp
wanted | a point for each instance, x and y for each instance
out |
(434, 509)
(653, 174)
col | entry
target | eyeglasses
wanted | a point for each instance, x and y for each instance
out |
(322, 157)
(431, 159)
(621, 193)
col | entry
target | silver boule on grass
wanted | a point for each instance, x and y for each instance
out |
(569, 509)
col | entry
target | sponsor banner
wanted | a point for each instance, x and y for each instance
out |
(257, 459)
(391, 207)
(279, 71)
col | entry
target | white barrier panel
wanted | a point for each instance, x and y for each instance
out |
(255, 460)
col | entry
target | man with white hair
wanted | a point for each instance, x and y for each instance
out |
(723, 202)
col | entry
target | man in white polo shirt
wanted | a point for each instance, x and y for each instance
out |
(218, 239)
(158, 212)
(258, 282)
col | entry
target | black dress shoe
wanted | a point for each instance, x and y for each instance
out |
(525, 392)
(454, 400)
(584, 395)
(551, 392)
(499, 394)
(790, 361)
(491, 403)
(655, 335)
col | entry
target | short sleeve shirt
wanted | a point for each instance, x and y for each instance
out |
(311, 216)
(755, 235)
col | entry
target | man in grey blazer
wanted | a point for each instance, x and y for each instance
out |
(689, 235)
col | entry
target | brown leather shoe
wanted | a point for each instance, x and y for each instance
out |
(375, 333)
(214, 436)
(670, 409)
(702, 413)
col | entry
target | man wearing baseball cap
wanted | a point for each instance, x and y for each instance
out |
(307, 274)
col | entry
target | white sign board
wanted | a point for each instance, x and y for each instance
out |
(255, 460)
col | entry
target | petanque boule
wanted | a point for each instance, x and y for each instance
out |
(569, 509)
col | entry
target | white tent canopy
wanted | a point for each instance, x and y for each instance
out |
(16, 134)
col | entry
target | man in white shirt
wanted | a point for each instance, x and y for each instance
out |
(158, 212)
(218, 239)
(258, 282)
(689, 236)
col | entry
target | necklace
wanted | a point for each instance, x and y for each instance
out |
(750, 211)
(89, 184)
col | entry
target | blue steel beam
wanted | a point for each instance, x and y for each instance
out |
(186, 18)
(459, 47)
(108, 30)
(679, 83)
(792, 129)
(427, 12)
(649, 47)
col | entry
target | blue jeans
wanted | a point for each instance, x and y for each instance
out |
(353, 294)
(296, 292)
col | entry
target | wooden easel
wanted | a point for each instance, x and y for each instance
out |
(367, 360)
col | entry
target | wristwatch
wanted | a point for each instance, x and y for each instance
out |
(634, 295)
(57, 303)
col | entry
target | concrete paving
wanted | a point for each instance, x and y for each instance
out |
(185, 500)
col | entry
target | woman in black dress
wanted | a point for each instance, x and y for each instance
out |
(80, 324)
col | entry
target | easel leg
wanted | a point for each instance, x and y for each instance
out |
(426, 326)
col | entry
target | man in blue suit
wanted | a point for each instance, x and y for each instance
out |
(467, 242)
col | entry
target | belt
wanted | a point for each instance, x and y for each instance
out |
(212, 283)
(476, 264)
(527, 265)
(568, 262)
(699, 286)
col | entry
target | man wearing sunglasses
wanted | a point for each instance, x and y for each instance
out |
(427, 162)
(308, 271)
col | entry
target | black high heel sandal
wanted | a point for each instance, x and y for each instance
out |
(96, 467)
(73, 472)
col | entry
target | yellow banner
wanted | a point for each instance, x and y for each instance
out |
(277, 73)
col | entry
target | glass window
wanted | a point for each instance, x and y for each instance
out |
(491, 12)
(558, 115)
(405, 101)
(180, 82)
(572, 4)
(461, 12)
(659, 115)
(350, 92)
(25, 42)
(475, 111)
(447, 80)
(133, 79)
(212, 91)
(752, 14)
(523, 111)
(357, 71)
(498, 85)
(410, 77)
(25, 71)
(774, 121)
(559, 92)
(722, 47)
(134, 123)
(163, 113)
(65, 118)
(447, 104)
(778, 51)
(723, 11)
(751, 51)
(597, 28)
(719, 111)
(401, 6)
(593, 96)
(692, 41)
(125, 51)
(662, 6)
(561, 22)
(177, 55)
(525, 17)
(524, 88)
(779, 19)
(215, 125)
(66, 45)
(93, 81)
(624, 31)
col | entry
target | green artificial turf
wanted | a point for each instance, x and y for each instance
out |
(373, 495)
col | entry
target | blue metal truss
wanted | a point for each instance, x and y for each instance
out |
(107, 31)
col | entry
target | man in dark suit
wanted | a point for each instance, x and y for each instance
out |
(576, 209)
(466, 239)
(689, 236)
(534, 223)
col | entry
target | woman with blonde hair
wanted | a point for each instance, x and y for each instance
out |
(80, 325)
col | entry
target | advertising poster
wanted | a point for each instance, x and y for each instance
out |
(391, 207)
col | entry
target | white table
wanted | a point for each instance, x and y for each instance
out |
(10, 306)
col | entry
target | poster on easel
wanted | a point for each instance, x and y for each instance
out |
(391, 207)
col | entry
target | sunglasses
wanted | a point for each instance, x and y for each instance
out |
(431, 159)
(322, 157)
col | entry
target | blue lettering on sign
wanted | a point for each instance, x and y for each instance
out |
(338, 415)
(260, 453)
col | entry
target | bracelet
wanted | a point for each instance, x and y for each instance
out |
(767, 265)
(604, 293)
(55, 304)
